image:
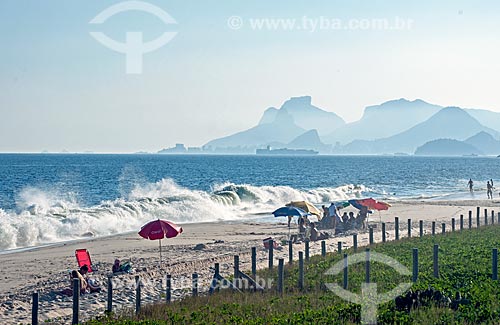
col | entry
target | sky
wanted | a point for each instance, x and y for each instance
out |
(61, 89)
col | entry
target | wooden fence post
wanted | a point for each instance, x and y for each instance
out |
(443, 228)
(452, 224)
(409, 228)
(498, 220)
(492, 217)
(290, 252)
(339, 247)
(434, 228)
(396, 227)
(370, 235)
(271, 253)
(346, 272)
(436, 260)
(494, 266)
(217, 274)
(195, 284)
(254, 261)
(110, 294)
(478, 224)
(307, 249)
(76, 301)
(168, 293)
(485, 217)
(34, 309)
(137, 294)
(367, 266)
(421, 226)
(470, 219)
(415, 265)
(461, 222)
(355, 242)
(323, 248)
(301, 270)
(383, 232)
(236, 271)
(280, 275)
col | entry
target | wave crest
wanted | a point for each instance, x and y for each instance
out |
(44, 217)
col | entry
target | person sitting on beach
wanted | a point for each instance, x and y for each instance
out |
(315, 234)
(80, 274)
(83, 282)
(351, 223)
(86, 285)
(121, 268)
(345, 218)
(116, 266)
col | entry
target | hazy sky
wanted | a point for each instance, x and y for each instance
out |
(61, 89)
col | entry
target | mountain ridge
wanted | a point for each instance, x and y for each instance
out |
(399, 125)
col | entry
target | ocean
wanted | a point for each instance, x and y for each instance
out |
(49, 198)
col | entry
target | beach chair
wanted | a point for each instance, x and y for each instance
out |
(83, 258)
(266, 243)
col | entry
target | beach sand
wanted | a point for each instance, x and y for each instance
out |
(45, 269)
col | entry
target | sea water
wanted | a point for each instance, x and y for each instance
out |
(48, 198)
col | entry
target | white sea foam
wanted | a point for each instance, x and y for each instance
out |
(47, 217)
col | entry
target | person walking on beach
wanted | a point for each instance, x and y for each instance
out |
(489, 190)
(471, 184)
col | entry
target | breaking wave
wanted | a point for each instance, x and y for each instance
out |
(44, 217)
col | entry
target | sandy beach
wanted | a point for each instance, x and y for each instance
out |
(45, 269)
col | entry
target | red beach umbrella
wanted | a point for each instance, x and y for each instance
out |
(375, 205)
(159, 229)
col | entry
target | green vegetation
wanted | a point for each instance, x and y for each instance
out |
(465, 264)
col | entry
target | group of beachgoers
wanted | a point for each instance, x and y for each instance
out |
(348, 221)
(308, 230)
(489, 188)
(332, 220)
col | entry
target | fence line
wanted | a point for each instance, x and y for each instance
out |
(238, 275)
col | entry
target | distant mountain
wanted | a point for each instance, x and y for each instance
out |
(305, 115)
(485, 142)
(283, 125)
(385, 120)
(281, 130)
(487, 118)
(309, 140)
(447, 147)
(269, 115)
(449, 122)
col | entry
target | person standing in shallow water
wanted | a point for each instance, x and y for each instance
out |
(489, 190)
(471, 184)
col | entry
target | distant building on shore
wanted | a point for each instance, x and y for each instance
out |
(179, 148)
(285, 151)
